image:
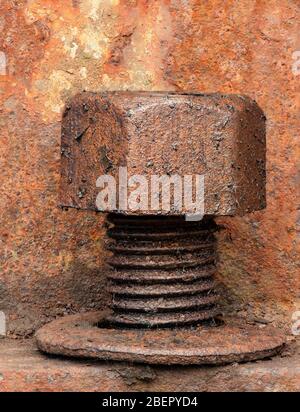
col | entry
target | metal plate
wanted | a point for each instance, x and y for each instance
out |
(235, 341)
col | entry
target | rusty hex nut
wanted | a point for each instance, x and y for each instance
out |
(156, 133)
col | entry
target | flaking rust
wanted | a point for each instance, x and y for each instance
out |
(164, 307)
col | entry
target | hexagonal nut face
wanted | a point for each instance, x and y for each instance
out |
(151, 135)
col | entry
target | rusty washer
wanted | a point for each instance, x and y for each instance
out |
(164, 307)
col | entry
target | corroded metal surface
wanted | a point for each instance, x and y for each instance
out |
(49, 260)
(162, 271)
(79, 336)
(24, 369)
(156, 133)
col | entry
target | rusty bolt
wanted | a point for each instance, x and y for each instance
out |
(164, 305)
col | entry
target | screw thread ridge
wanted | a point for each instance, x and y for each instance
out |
(162, 271)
